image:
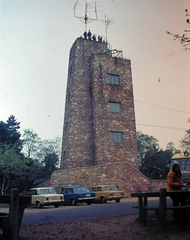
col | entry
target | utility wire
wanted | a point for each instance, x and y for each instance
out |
(180, 129)
(171, 109)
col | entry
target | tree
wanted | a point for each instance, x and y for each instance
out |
(146, 145)
(11, 164)
(49, 146)
(31, 142)
(44, 156)
(153, 162)
(50, 164)
(3, 133)
(171, 147)
(157, 165)
(184, 38)
(185, 142)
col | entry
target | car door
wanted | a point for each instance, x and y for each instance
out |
(67, 194)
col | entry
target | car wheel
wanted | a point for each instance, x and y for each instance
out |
(102, 200)
(73, 202)
(88, 203)
(39, 205)
(117, 200)
(56, 205)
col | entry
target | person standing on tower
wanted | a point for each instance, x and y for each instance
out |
(89, 35)
(85, 35)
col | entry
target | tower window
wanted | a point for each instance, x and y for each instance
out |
(115, 107)
(113, 79)
(116, 136)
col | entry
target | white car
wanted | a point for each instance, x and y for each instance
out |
(45, 196)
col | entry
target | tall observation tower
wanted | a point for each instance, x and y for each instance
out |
(99, 122)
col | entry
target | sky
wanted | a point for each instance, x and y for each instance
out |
(35, 40)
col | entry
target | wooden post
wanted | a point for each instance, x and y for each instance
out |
(14, 215)
(140, 204)
(162, 208)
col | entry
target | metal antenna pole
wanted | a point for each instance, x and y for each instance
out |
(86, 19)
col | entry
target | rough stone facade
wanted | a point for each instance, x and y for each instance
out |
(88, 121)
(89, 156)
(123, 174)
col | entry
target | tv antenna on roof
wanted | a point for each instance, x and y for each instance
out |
(86, 19)
(107, 22)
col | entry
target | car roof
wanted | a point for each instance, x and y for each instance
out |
(42, 188)
(75, 186)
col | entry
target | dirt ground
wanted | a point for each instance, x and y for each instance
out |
(118, 228)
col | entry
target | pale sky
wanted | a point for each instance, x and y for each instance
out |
(35, 40)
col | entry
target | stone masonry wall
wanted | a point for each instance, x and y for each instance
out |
(105, 121)
(123, 174)
(87, 121)
(78, 141)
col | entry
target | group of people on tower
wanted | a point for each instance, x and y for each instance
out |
(88, 36)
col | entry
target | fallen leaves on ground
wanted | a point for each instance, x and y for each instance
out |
(118, 228)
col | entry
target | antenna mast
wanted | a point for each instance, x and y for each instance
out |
(107, 21)
(86, 19)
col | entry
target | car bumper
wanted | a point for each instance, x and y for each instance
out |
(53, 202)
(115, 197)
(84, 199)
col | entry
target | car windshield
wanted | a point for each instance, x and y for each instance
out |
(110, 188)
(81, 189)
(47, 191)
(183, 163)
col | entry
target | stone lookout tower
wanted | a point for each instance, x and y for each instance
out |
(99, 134)
(99, 123)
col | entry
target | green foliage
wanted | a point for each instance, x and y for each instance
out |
(157, 165)
(11, 164)
(9, 134)
(12, 161)
(44, 158)
(185, 142)
(50, 163)
(31, 142)
(153, 162)
(3, 133)
(146, 144)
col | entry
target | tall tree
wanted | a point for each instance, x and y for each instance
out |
(171, 147)
(50, 164)
(11, 164)
(3, 133)
(13, 134)
(157, 165)
(185, 142)
(146, 145)
(31, 142)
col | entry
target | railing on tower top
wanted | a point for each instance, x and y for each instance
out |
(103, 39)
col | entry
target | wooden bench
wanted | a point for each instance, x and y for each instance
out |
(146, 209)
(161, 208)
(10, 222)
(163, 204)
(139, 186)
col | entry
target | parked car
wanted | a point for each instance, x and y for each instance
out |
(106, 193)
(45, 196)
(76, 194)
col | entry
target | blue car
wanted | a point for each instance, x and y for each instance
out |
(76, 194)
